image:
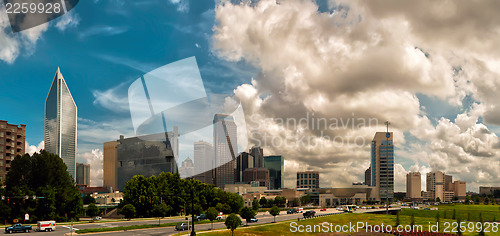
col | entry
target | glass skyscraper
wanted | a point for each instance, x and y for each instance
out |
(276, 166)
(60, 123)
(382, 165)
(226, 149)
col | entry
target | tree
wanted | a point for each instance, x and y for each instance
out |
(486, 200)
(274, 211)
(225, 208)
(212, 215)
(92, 210)
(87, 199)
(255, 205)
(305, 199)
(263, 201)
(467, 200)
(438, 199)
(437, 220)
(412, 221)
(232, 222)
(160, 210)
(454, 214)
(128, 211)
(247, 213)
(481, 232)
(459, 230)
(397, 219)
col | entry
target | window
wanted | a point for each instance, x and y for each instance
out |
(298, 183)
(1, 134)
(310, 175)
(1, 163)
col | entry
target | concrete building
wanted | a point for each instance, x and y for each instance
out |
(308, 179)
(258, 154)
(12, 143)
(382, 166)
(243, 161)
(459, 189)
(144, 155)
(109, 165)
(226, 149)
(448, 183)
(204, 162)
(488, 190)
(61, 123)
(260, 175)
(435, 184)
(368, 179)
(83, 174)
(345, 196)
(241, 188)
(413, 185)
(289, 194)
(108, 198)
(276, 166)
(187, 168)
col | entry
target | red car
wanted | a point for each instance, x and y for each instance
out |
(324, 209)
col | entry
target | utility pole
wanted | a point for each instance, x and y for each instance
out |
(387, 135)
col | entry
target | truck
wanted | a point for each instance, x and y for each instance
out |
(46, 226)
(18, 228)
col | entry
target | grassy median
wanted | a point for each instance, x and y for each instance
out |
(132, 227)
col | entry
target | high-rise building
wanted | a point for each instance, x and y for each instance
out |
(256, 175)
(382, 165)
(144, 155)
(308, 179)
(12, 143)
(258, 154)
(413, 185)
(448, 183)
(276, 166)
(109, 166)
(83, 174)
(243, 161)
(459, 189)
(204, 162)
(187, 168)
(60, 123)
(435, 185)
(368, 176)
(226, 149)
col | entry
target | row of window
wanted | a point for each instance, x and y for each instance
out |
(302, 182)
(302, 175)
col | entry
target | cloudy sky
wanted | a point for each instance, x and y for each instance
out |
(316, 79)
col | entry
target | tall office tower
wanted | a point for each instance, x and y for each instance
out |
(243, 161)
(459, 189)
(368, 176)
(382, 165)
(187, 168)
(448, 183)
(308, 179)
(435, 184)
(226, 149)
(60, 123)
(276, 166)
(413, 185)
(144, 155)
(109, 180)
(258, 154)
(204, 162)
(12, 143)
(83, 174)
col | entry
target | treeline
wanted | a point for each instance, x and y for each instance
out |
(169, 195)
(43, 176)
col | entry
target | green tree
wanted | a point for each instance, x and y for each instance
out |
(412, 220)
(454, 216)
(247, 213)
(255, 205)
(459, 230)
(467, 200)
(128, 211)
(263, 201)
(223, 207)
(212, 214)
(232, 222)
(437, 220)
(160, 210)
(92, 210)
(438, 199)
(486, 200)
(274, 211)
(87, 199)
(305, 199)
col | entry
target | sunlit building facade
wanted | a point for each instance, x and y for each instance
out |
(226, 149)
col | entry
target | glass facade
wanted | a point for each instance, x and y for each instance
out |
(382, 165)
(276, 166)
(61, 123)
(226, 149)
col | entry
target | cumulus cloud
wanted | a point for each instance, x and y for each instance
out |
(68, 20)
(95, 159)
(362, 61)
(31, 149)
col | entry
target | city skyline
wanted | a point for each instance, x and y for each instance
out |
(359, 61)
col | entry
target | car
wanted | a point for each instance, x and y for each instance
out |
(324, 209)
(97, 218)
(182, 226)
(291, 211)
(253, 219)
(18, 228)
(363, 207)
(201, 217)
(309, 214)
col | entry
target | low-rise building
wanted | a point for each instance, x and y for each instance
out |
(488, 190)
(344, 196)
(108, 198)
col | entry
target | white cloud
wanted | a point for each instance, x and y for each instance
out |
(182, 5)
(68, 20)
(31, 149)
(95, 159)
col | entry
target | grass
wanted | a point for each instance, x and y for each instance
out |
(284, 228)
(132, 227)
(489, 212)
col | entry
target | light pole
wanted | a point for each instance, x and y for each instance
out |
(387, 135)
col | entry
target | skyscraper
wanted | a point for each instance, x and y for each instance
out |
(60, 123)
(187, 168)
(243, 161)
(203, 162)
(83, 174)
(382, 165)
(226, 149)
(413, 185)
(368, 176)
(258, 154)
(276, 166)
(12, 143)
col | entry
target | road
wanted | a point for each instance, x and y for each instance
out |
(263, 217)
